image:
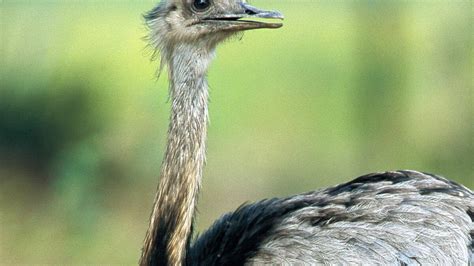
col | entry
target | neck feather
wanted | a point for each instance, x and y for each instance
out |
(171, 221)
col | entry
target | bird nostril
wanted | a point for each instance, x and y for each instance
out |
(250, 12)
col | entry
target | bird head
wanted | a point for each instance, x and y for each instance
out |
(202, 22)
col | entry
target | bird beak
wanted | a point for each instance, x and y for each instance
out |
(241, 20)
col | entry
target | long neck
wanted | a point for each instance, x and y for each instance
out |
(171, 221)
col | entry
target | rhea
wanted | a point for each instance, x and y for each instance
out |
(398, 217)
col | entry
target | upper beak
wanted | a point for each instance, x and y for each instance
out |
(233, 22)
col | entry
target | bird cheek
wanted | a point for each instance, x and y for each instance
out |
(176, 20)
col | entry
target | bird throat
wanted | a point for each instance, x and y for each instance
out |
(171, 221)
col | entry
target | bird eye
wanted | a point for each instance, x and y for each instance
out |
(201, 5)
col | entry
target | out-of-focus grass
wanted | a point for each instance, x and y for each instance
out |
(344, 88)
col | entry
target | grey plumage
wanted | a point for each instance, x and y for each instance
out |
(400, 217)
(421, 219)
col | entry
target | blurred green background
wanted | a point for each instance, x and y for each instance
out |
(344, 88)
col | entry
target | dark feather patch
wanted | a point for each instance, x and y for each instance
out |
(394, 177)
(237, 236)
(158, 254)
(471, 214)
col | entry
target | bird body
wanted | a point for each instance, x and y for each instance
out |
(400, 217)
(391, 218)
